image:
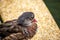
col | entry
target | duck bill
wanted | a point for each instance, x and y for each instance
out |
(34, 20)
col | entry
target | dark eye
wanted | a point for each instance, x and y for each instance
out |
(32, 17)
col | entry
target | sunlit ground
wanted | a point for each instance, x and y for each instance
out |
(54, 7)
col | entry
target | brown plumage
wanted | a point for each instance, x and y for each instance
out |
(22, 32)
(14, 30)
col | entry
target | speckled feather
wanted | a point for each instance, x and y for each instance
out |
(16, 32)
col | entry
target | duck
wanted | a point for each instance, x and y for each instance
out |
(23, 28)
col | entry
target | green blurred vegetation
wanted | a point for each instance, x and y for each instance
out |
(54, 8)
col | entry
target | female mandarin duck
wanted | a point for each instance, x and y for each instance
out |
(23, 28)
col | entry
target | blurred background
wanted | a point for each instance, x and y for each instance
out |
(54, 8)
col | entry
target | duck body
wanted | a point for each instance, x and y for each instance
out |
(22, 28)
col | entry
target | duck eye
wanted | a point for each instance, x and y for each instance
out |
(32, 17)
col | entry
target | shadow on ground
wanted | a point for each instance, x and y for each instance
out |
(0, 19)
(54, 8)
